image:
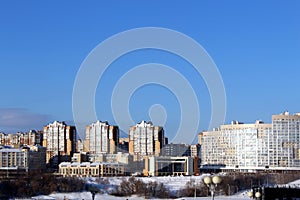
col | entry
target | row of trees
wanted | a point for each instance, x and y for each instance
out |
(230, 185)
(138, 187)
(41, 184)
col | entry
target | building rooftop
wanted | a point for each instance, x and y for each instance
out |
(10, 150)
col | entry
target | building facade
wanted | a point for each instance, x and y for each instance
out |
(237, 146)
(167, 165)
(13, 158)
(145, 139)
(16, 140)
(37, 158)
(195, 150)
(87, 169)
(175, 150)
(258, 146)
(123, 158)
(284, 142)
(60, 142)
(15, 162)
(101, 138)
(123, 145)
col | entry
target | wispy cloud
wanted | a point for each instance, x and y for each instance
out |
(19, 119)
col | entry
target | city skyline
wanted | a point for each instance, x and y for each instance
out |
(255, 46)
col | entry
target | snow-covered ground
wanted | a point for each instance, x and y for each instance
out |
(172, 183)
(87, 195)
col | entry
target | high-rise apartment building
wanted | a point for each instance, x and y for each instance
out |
(237, 145)
(60, 141)
(101, 138)
(285, 140)
(255, 146)
(145, 139)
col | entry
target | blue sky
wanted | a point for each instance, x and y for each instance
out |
(255, 44)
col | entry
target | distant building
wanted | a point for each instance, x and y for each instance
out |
(284, 141)
(123, 145)
(16, 140)
(175, 150)
(166, 140)
(254, 147)
(87, 169)
(120, 157)
(60, 142)
(124, 158)
(101, 138)
(79, 146)
(13, 158)
(178, 150)
(5, 139)
(37, 158)
(181, 150)
(195, 150)
(145, 139)
(80, 157)
(237, 145)
(31, 138)
(166, 165)
(16, 162)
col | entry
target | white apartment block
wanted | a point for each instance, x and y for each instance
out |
(101, 138)
(284, 147)
(145, 139)
(255, 146)
(60, 141)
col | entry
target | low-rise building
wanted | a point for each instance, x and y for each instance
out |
(87, 169)
(165, 165)
(16, 162)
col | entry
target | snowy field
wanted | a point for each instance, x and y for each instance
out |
(172, 183)
(87, 195)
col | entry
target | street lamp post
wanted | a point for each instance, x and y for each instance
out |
(255, 193)
(212, 183)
